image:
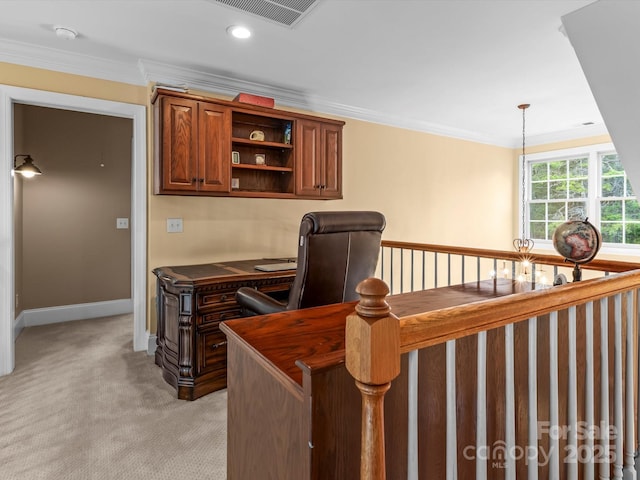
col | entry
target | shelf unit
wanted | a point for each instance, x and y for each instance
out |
(275, 175)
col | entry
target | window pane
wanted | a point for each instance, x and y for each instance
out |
(539, 191)
(611, 165)
(558, 169)
(558, 189)
(537, 230)
(576, 211)
(613, 187)
(552, 228)
(629, 189)
(631, 210)
(557, 211)
(611, 210)
(538, 211)
(578, 188)
(611, 232)
(579, 167)
(632, 233)
(538, 171)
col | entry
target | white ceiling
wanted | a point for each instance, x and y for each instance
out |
(452, 67)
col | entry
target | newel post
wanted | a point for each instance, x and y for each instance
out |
(373, 358)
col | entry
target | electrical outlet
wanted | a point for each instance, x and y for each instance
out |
(122, 223)
(174, 225)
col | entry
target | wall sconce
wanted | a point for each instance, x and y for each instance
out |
(27, 169)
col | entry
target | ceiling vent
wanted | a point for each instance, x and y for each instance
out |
(282, 12)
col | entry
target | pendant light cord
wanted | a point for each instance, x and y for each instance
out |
(523, 107)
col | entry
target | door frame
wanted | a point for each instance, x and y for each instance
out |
(8, 97)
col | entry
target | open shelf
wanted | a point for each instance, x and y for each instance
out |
(263, 167)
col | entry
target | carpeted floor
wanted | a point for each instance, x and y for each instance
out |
(82, 405)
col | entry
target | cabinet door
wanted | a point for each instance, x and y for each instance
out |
(308, 158)
(214, 142)
(179, 144)
(332, 164)
(319, 160)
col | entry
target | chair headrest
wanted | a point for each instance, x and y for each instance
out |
(344, 221)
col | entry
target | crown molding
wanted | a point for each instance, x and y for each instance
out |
(166, 74)
(583, 131)
(74, 63)
(146, 71)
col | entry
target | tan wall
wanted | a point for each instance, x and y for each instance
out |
(72, 252)
(431, 189)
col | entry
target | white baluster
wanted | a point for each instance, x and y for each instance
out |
(554, 444)
(617, 388)
(572, 401)
(589, 392)
(604, 391)
(412, 427)
(629, 471)
(452, 435)
(510, 416)
(481, 408)
(532, 448)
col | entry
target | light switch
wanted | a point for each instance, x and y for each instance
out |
(122, 223)
(174, 225)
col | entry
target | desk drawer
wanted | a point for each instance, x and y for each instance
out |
(216, 299)
(212, 350)
(219, 315)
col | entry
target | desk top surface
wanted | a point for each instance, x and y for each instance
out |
(220, 270)
(282, 339)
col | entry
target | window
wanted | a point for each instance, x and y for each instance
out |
(580, 183)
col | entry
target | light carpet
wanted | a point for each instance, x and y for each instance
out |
(81, 404)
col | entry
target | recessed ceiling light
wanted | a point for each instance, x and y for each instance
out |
(65, 32)
(238, 31)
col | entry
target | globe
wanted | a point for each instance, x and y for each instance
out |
(577, 241)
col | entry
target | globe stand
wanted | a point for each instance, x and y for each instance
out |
(577, 273)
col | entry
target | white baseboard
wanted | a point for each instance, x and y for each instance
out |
(82, 311)
(18, 325)
(151, 347)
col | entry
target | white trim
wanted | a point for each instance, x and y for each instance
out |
(58, 60)
(10, 95)
(18, 326)
(80, 311)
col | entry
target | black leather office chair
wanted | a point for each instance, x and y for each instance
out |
(336, 251)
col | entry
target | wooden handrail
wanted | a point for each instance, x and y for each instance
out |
(438, 326)
(596, 264)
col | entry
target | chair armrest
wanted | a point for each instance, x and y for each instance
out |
(260, 303)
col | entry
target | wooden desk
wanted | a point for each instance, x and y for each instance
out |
(192, 300)
(293, 405)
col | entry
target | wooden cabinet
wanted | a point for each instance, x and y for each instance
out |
(319, 159)
(208, 147)
(191, 301)
(194, 147)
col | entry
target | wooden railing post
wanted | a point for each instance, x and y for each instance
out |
(373, 359)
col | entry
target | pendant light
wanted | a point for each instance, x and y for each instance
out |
(523, 245)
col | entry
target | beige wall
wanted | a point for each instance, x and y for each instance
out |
(71, 252)
(431, 189)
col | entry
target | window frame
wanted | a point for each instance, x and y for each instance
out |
(593, 153)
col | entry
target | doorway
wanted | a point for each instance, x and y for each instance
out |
(137, 113)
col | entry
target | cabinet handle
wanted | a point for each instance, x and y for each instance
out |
(216, 346)
(201, 180)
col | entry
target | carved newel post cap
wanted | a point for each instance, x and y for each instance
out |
(373, 336)
(373, 292)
